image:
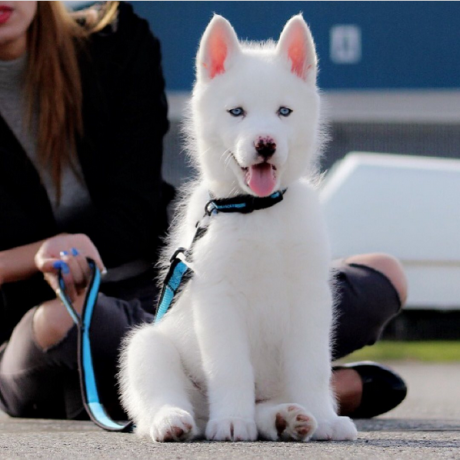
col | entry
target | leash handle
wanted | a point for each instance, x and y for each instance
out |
(88, 384)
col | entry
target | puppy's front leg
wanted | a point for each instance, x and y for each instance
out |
(223, 342)
(308, 364)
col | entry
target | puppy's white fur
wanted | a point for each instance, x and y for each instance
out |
(245, 350)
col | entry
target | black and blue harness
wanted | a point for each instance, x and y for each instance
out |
(178, 274)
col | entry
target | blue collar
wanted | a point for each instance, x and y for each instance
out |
(243, 204)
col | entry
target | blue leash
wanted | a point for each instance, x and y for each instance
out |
(90, 395)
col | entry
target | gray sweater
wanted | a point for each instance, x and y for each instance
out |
(74, 193)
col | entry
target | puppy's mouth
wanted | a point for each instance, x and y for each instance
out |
(260, 177)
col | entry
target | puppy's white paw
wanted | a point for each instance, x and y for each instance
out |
(337, 429)
(293, 422)
(231, 429)
(172, 424)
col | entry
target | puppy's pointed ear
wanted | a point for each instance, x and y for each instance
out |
(218, 47)
(296, 45)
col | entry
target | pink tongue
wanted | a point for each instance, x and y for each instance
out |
(261, 179)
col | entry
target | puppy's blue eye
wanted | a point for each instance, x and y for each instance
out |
(284, 111)
(236, 112)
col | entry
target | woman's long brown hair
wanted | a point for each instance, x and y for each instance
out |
(53, 82)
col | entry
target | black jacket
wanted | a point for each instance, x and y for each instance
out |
(124, 116)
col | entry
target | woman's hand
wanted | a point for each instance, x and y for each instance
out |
(68, 253)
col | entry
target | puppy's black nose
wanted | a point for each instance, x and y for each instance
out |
(265, 147)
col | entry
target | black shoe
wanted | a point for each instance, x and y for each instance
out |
(383, 390)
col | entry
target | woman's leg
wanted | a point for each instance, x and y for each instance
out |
(31, 382)
(371, 288)
(40, 378)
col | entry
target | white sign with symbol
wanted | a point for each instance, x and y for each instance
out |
(345, 44)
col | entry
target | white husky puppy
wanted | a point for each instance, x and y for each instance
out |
(245, 349)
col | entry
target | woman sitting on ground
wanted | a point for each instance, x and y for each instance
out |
(82, 119)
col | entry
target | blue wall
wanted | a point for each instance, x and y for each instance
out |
(413, 45)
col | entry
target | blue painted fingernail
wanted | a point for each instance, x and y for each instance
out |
(65, 268)
(75, 252)
(64, 253)
(60, 265)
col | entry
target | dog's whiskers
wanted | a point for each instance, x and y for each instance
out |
(226, 156)
(234, 190)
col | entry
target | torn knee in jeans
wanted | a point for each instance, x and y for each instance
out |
(367, 301)
(51, 324)
(388, 266)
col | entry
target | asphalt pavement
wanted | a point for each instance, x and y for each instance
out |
(425, 426)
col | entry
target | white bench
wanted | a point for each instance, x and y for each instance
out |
(406, 206)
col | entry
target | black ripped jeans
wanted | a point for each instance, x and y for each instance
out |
(45, 384)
